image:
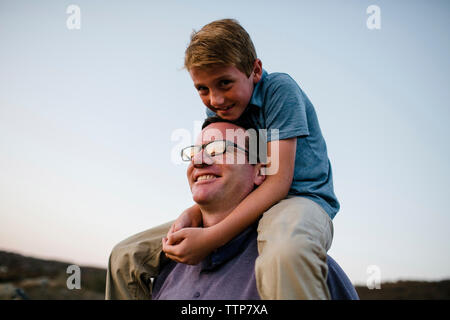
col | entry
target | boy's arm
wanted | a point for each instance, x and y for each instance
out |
(272, 190)
(191, 217)
(194, 244)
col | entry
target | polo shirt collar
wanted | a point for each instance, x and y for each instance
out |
(257, 96)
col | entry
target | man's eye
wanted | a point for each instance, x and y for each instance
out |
(212, 151)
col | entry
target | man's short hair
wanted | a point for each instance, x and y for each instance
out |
(221, 42)
(252, 137)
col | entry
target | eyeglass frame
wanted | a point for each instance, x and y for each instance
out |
(203, 146)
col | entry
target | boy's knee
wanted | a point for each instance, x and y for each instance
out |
(128, 256)
(120, 260)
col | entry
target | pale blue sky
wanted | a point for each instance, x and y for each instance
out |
(86, 118)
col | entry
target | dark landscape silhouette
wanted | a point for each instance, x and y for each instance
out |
(38, 279)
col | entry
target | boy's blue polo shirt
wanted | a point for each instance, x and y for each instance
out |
(278, 103)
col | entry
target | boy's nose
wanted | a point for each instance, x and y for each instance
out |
(217, 100)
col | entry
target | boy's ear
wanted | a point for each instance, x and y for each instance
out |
(257, 71)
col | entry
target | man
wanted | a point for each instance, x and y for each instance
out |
(218, 182)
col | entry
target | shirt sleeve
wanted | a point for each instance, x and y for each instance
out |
(285, 109)
(209, 113)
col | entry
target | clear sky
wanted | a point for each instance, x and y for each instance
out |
(87, 117)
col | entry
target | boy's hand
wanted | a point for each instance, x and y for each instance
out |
(188, 245)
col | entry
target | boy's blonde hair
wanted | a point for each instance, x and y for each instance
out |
(223, 42)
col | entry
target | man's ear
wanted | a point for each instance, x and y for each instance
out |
(259, 176)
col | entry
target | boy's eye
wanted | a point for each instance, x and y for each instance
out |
(225, 82)
(202, 89)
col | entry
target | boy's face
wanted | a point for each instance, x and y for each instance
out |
(225, 89)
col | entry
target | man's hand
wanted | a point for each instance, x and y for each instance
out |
(188, 245)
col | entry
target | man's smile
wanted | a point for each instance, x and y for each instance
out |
(206, 177)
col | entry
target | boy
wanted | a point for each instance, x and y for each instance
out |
(296, 202)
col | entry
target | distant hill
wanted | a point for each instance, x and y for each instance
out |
(411, 290)
(25, 277)
(31, 278)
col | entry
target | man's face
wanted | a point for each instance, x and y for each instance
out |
(225, 89)
(213, 180)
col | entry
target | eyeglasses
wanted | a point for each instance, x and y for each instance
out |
(211, 149)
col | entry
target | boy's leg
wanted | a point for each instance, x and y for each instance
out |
(293, 239)
(132, 264)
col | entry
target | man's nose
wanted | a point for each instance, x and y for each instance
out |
(201, 160)
(217, 99)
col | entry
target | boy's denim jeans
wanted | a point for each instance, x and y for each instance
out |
(294, 236)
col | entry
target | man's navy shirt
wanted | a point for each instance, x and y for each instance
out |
(229, 274)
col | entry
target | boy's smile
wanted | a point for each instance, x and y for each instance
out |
(225, 89)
